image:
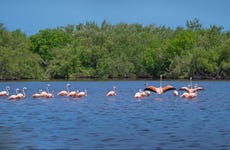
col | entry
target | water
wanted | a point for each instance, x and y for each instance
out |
(121, 122)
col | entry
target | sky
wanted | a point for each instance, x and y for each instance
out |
(30, 16)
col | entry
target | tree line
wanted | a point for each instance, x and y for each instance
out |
(122, 50)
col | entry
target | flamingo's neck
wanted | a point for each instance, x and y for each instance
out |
(67, 87)
(160, 81)
(191, 82)
(17, 91)
(24, 93)
(47, 89)
(7, 91)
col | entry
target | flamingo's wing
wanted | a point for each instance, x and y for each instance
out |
(198, 88)
(184, 88)
(151, 88)
(168, 87)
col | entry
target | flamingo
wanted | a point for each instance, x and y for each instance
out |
(81, 94)
(143, 93)
(190, 92)
(189, 89)
(189, 95)
(23, 94)
(147, 93)
(44, 93)
(63, 92)
(138, 95)
(37, 95)
(160, 90)
(73, 93)
(50, 95)
(6, 92)
(13, 97)
(175, 93)
(112, 92)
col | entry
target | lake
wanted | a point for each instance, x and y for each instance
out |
(120, 122)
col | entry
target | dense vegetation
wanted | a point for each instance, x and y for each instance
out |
(116, 51)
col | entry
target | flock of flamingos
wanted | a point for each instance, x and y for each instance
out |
(190, 92)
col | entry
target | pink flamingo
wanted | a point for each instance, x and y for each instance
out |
(112, 92)
(50, 95)
(73, 93)
(190, 91)
(189, 95)
(37, 95)
(175, 93)
(64, 92)
(146, 93)
(23, 94)
(81, 94)
(160, 90)
(6, 92)
(139, 94)
(44, 93)
(13, 97)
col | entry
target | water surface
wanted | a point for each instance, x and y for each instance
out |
(120, 122)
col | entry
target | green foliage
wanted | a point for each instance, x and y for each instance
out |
(194, 24)
(204, 63)
(116, 51)
(20, 64)
(181, 66)
(181, 43)
(43, 42)
(224, 59)
(16, 61)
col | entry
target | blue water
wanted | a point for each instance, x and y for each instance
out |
(121, 122)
